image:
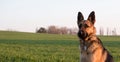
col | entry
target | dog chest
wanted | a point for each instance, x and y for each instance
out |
(84, 57)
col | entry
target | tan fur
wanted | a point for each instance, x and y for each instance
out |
(88, 56)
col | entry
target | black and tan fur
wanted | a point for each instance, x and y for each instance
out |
(91, 47)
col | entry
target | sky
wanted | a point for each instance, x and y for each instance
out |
(27, 15)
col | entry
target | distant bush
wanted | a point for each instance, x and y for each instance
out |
(41, 30)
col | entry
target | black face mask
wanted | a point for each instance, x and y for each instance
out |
(82, 34)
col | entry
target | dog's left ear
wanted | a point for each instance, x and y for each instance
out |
(91, 17)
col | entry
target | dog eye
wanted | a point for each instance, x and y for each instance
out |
(86, 25)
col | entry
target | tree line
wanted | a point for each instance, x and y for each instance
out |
(108, 31)
(64, 30)
(57, 30)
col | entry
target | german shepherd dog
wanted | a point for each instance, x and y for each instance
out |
(91, 47)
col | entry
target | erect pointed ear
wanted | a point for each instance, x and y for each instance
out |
(91, 17)
(79, 18)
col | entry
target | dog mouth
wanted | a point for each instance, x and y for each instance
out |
(82, 34)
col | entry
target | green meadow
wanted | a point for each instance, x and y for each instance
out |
(32, 47)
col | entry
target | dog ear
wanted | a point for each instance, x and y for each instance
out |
(79, 18)
(91, 17)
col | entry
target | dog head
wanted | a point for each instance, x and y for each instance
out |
(86, 27)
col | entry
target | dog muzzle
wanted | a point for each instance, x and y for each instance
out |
(82, 34)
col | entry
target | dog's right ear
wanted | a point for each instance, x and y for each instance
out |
(79, 18)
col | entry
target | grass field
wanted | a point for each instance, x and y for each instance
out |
(31, 47)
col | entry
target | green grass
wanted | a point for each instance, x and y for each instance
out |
(31, 47)
(34, 36)
(42, 51)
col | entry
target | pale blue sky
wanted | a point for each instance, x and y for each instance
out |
(27, 15)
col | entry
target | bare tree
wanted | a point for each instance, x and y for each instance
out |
(63, 30)
(101, 31)
(53, 30)
(107, 31)
(114, 31)
(72, 31)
